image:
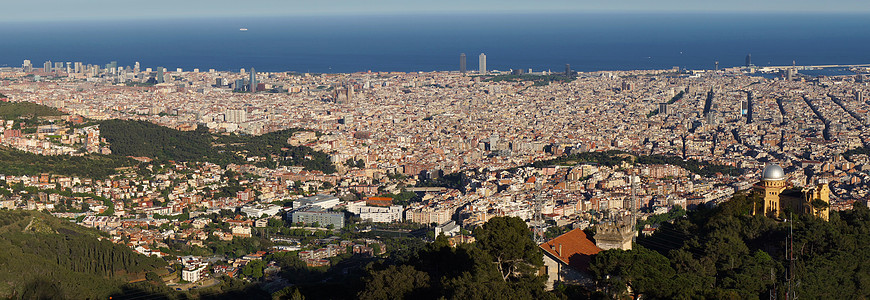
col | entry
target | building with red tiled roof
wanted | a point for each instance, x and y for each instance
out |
(379, 201)
(567, 258)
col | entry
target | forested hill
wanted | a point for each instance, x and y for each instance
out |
(17, 162)
(15, 110)
(725, 252)
(140, 138)
(43, 257)
(617, 157)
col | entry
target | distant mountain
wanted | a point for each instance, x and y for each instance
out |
(140, 138)
(43, 257)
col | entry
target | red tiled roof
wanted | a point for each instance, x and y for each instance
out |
(572, 248)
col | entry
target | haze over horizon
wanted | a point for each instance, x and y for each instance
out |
(59, 10)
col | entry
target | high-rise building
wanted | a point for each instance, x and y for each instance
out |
(253, 88)
(482, 63)
(46, 67)
(27, 66)
(567, 69)
(160, 78)
(749, 107)
(136, 67)
(717, 65)
(790, 74)
(749, 60)
(236, 116)
(462, 63)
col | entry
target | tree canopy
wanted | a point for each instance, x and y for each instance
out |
(508, 241)
(725, 252)
(17, 162)
(468, 271)
(140, 138)
(16, 110)
(47, 257)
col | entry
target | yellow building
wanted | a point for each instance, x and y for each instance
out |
(779, 196)
(813, 198)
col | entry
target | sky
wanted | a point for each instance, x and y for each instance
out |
(65, 10)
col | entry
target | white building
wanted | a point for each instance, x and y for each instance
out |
(257, 211)
(193, 273)
(236, 116)
(448, 229)
(379, 214)
(194, 268)
(322, 201)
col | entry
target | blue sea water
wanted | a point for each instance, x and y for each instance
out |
(330, 44)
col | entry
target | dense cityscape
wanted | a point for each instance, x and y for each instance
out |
(303, 173)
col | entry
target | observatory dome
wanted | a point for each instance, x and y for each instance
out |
(772, 173)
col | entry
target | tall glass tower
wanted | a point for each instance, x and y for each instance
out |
(253, 80)
(462, 63)
(482, 63)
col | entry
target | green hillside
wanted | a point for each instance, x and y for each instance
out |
(17, 162)
(15, 110)
(139, 138)
(48, 258)
(617, 157)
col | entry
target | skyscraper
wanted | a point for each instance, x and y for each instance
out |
(749, 107)
(27, 66)
(46, 67)
(462, 63)
(253, 87)
(749, 60)
(482, 63)
(567, 69)
(160, 75)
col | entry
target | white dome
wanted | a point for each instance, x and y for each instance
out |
(772, 172)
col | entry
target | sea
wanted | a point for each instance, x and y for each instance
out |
(433, 42)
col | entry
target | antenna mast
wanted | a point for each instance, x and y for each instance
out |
(538, 221)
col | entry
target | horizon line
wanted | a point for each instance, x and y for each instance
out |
(435, 13)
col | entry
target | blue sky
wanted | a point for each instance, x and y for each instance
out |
(59, 10)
